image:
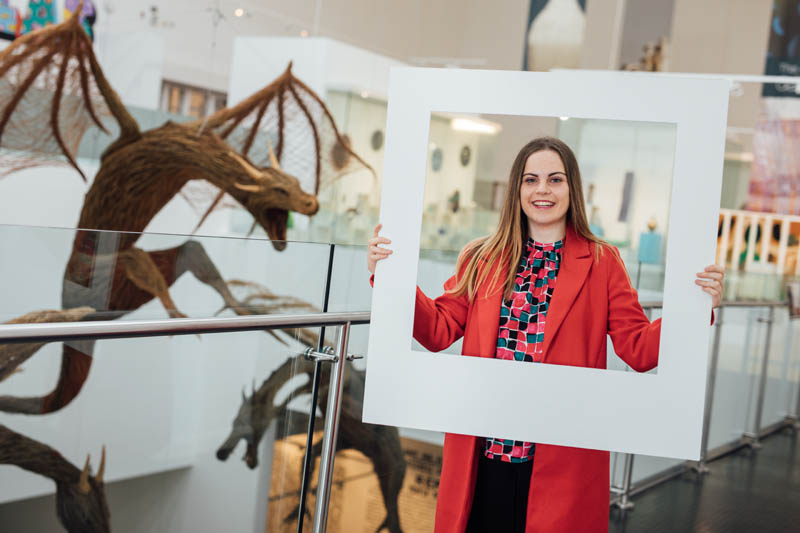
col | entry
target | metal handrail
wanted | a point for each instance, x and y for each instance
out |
(119, 329)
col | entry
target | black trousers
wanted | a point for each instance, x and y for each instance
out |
(501, 497)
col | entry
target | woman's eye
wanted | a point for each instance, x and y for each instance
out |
(557, 180)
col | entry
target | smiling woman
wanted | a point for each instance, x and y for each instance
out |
(504, 284)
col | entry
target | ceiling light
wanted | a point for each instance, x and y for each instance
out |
(364, 94)
(564, 118)
(474, 125)
(238, 12)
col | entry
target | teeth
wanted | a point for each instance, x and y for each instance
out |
(543, 203)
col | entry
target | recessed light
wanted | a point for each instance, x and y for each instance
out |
(239, 12)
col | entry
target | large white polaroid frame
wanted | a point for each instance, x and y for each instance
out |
(655, 414)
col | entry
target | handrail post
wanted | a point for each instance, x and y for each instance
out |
(796, 423)
(711, 380)
(308, 467)
(331, 430)
(624, 503)
(754, 436)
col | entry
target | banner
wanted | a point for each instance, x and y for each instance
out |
(783, 51)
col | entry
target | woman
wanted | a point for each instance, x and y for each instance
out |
(552, 292)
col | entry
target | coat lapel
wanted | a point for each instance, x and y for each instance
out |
(571, 275)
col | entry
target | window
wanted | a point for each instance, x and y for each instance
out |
(183, 99)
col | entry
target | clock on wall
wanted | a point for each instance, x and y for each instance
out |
(436, 159)
(376, 141)
(466, 155)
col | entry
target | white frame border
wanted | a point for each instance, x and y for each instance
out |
(655, 414)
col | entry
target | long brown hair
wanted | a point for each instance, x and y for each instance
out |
(506, 244)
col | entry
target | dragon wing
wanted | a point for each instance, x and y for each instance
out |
(52, 90)
(290, 117)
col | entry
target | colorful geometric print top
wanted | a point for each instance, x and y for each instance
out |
(522, 321)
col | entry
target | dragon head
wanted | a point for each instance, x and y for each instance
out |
(269, 193)
(252, 420)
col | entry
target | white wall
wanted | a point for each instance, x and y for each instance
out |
(133, 63)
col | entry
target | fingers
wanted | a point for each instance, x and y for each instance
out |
(714, 272)
(378, 240)
(711, 275)
(375, 251)
(713, 269)
(713, 283)
(377, 230)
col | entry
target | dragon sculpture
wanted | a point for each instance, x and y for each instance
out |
(52, 89)
(380, 444)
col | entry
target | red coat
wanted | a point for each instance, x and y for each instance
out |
(569, 486)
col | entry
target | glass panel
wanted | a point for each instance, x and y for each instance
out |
(170, 411)
(382, 475)
(780, 377)
(139, 276)
(741, 349)
(171, 415)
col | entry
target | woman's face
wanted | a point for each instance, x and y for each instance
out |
(544, 193)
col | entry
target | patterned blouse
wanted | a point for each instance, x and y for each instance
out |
(522, 321)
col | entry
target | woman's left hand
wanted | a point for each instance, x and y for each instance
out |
(712, 281)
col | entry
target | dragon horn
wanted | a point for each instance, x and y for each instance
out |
(78, 10)
(83, 482)
(102, 469)
(247, 188)
(273, 161)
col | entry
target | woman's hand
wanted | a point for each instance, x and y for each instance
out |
(712, 281)
(374, 252)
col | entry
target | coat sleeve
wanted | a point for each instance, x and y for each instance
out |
(635, 338)
(439, 322)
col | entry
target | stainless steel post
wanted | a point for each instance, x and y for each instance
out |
(797, 409)
(624, 503)
(330, 431)
(753, 437)
(711, 380)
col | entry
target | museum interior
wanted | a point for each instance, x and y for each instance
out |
(191, 172)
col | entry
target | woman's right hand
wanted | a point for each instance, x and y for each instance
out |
(374, 252)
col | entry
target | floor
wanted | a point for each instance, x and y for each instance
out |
(746, 491)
